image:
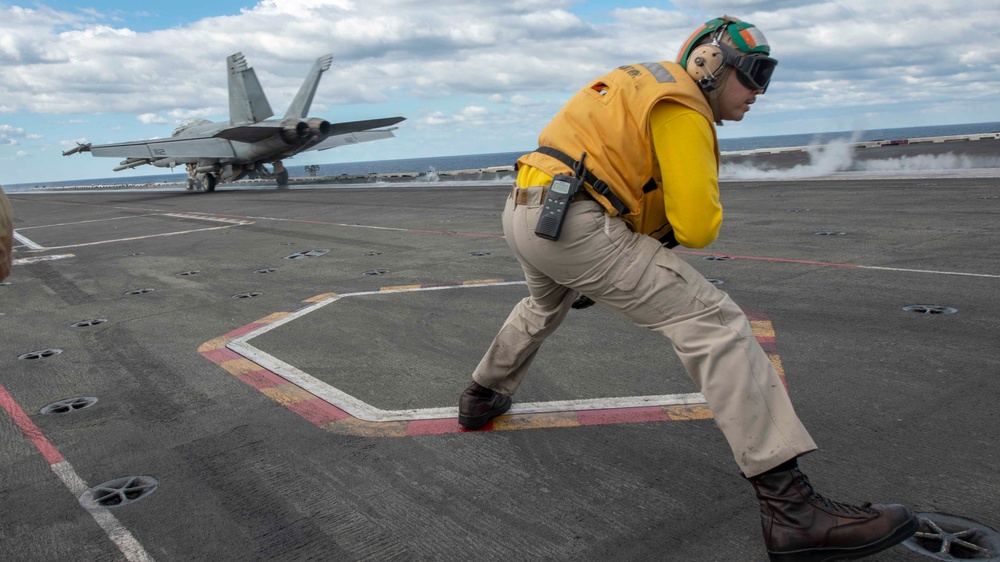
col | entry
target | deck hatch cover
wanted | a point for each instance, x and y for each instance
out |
(123, 491)
(306, 254)
(930, 309)
(69, 405)
(88, 323)
(42, 354)
(139, 291)
(947, 537)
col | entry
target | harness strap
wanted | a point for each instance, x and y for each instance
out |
(599, 185)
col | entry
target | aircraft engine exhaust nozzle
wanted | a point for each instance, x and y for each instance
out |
(294, 131)
(319, 128)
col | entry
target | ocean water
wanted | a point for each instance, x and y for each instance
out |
(478, 161)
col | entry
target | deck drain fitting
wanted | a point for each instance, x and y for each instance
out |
(139, 291)
(88, 323)
(188, 273)
(123, 491)
(371, 272)
(829, 233)
(306, 254)
(716, 258)
(930, 309)
(480, 253)
(40, 354)
(69, 405)
(947, 537)
(249, 295)
(266, 270)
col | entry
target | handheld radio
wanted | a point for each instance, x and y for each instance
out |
(561, 191)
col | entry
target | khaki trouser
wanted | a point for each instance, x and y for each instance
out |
(634, 275)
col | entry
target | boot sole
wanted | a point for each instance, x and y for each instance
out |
(475, 422)
(903, 532)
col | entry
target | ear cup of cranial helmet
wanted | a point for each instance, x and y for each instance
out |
(704, 63)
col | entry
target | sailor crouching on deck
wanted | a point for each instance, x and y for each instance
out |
(627, 169)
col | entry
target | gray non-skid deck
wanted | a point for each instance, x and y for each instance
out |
(903, 405)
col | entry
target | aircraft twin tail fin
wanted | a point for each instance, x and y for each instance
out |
(303, 99)
(247, 102)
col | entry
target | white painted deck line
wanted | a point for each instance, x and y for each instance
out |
(118, 533)
(364, 411)
(26, 241)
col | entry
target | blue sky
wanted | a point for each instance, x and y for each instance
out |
(471, 76)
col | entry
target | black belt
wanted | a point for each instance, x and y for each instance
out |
(598, 185)
(521, 195)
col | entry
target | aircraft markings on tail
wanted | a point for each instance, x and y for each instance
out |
(223, 152)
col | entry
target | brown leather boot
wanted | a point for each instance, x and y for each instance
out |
(801, 525)
(478, 405)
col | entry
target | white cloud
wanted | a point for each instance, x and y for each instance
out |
(148, 118)
(472, 114)
(477, 63)
(8, 134)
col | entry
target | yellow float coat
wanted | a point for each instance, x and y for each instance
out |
(644, 125)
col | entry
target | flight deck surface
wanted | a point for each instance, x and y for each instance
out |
(286, 366)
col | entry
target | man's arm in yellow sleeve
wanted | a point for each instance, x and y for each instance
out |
(685, 148)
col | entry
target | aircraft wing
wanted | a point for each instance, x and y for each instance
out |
(203, 147)
(355, 126)
(333, 141)
(354, 132)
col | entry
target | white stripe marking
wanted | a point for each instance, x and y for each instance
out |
(367, 412)
(87, 221)
(929, 271)
(117, 532)
(27, 261)
(139, 237)
(26, 241)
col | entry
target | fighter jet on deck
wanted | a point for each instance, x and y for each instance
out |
(225, 152)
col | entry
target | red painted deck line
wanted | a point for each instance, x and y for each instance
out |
(116, 532)
(328, 416)
(29, 428)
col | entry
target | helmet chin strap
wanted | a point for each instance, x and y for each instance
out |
(715, 93)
